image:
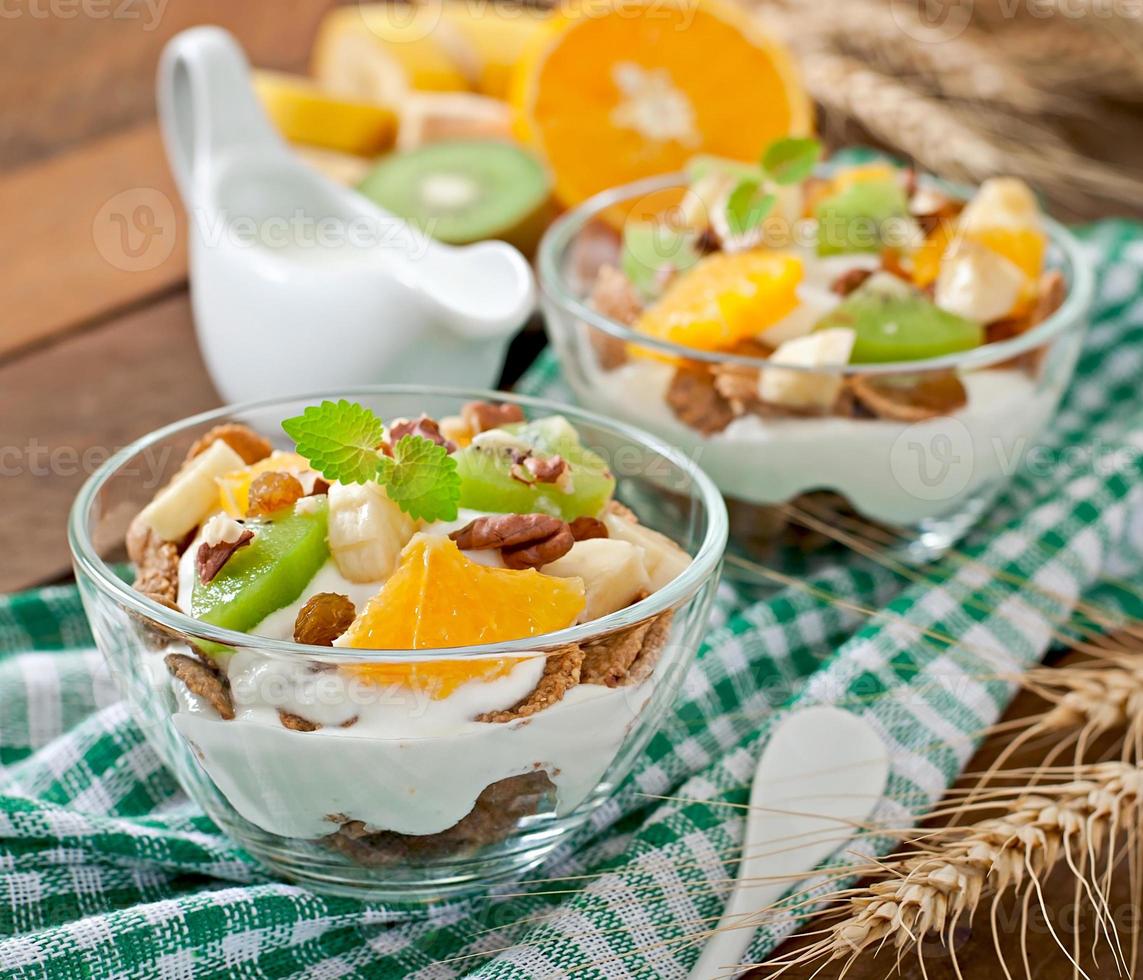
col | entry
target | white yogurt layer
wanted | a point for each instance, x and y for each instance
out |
(400, 768)
(894, 472)
(403, 761)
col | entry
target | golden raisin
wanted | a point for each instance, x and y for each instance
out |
(271, 492)
(323, 618)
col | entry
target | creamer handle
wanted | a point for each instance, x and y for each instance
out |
(206, 103)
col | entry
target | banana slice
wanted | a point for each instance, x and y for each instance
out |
(366, 531)
(613, 572)
(663, 559)
(805, 389)
(304, 113)
(192, 494)
(1000, 201)
(429, 117)
(978, 283)
(381, 52)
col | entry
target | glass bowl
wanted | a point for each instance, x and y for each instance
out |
(922, 484)
(395, 797)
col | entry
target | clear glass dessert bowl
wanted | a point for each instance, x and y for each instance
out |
(391, 792)
(921, 481)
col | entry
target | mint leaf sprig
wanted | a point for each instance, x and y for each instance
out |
(342, 442)
(784, 162)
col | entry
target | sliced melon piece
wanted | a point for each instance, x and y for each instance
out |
(267, 574)
(462, 191)
(492, 477)
(894, 321)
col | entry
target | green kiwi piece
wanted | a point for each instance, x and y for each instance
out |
(462, 191)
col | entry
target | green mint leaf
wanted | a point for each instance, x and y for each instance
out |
(791, 160)
(747, 206)
(421, 478)
(339, 439)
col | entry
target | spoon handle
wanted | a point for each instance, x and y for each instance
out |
(819, 777)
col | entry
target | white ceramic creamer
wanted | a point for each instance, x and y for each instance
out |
(298, 283)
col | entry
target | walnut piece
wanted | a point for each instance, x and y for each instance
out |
(524, 540)
(241, 438)
(482, 416)
(210, 559)
(548, 469)
(614, 297)
(696, 402)
(425, 427)
(849, 280)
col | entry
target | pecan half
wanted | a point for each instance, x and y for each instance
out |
(203, 679)
(585, 528)
(241, 438)
(210, 558)
(524, 540)
(425, 427)
(482, 416)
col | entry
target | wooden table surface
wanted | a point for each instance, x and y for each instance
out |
(96, 340)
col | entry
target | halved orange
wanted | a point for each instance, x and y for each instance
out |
(609, 94)
(439, 598)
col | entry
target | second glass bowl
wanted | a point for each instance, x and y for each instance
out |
(922, 484)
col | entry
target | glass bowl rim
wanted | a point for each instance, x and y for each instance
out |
(704, 562)
(564, 230)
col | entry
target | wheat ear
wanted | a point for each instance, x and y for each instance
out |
(945, 880)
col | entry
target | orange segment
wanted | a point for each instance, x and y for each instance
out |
(1023, 247)
(234, 487)
(725, 298)
(609, 95)
(439, 598)
(927, 258)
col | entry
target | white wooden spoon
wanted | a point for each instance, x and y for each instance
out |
(819, 777)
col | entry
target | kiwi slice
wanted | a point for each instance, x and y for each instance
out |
(894, 321)
(462, 191)
(269, 573)
(491, 478)
(855, 219)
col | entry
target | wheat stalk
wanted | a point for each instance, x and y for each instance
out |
(895, 40)
(1063, 55)
(945, 880)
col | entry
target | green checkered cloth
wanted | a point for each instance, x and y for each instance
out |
(107, 869)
